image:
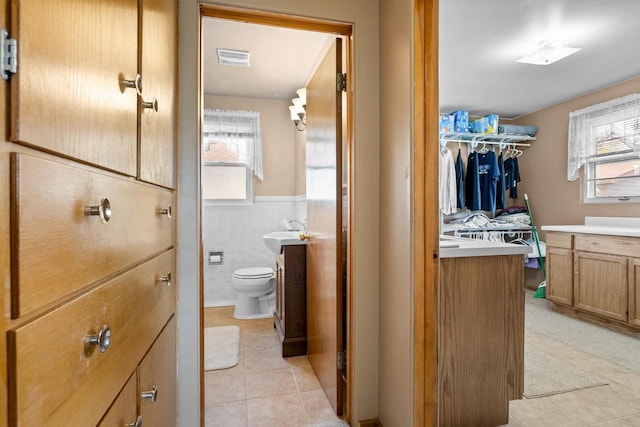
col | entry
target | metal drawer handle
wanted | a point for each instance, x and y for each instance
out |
(151, 395)
(165, 279)
(166, 211)
(136, 83)
(138, 422)
(103, 210)
(102, 339)
(153, 104)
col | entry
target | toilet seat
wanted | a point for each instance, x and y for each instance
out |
(253, 273)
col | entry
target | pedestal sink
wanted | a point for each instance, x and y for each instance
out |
(277, 239)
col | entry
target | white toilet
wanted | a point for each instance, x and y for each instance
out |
(256, 295)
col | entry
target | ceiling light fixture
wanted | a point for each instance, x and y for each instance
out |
(298, 114)
(237, 58)
(548, 53)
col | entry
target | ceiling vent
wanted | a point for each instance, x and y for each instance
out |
(238, 58)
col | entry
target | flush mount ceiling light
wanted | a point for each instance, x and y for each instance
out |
(238, 58)
(547, 54)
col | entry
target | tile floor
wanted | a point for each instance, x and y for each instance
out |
(614, 405)
(266, 390)
(263, 390)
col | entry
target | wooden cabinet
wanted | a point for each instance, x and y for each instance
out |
(158, 65)
(559, 266)
(87, 234)
(75, 92)
(601, 284)
(290, 317)
(604, 281)
(481, 339)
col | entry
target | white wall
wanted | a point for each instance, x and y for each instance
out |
(364, 323)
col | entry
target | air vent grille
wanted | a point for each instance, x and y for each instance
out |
(238, 58)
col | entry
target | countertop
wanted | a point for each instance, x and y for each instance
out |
(613, 226)
(458, 247)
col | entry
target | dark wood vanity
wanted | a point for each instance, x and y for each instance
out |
(290, 317)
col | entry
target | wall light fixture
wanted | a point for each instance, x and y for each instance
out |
(298, 114)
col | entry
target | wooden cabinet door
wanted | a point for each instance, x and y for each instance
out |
(634, 291)
(123, 410)
(157, 380)
(559, 275)
(68, 96)
(158, 65)
(601, 284)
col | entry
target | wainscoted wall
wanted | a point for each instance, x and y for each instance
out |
(238, 230)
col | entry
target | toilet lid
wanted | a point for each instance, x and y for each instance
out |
(254, 272)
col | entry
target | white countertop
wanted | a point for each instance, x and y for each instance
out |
(614, 226)
(458, 247)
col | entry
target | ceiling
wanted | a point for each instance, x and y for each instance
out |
(480, 42)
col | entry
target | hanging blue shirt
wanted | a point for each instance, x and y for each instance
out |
(472, 183)
(501, 199)
(488, 173)
(460, 180)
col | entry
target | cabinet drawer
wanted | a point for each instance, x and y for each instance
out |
(123, 410)
(613, 245)
(157, 379)
(58, 248)
(559, 240)
(56, 376)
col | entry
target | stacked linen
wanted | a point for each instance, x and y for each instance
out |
(520, 219)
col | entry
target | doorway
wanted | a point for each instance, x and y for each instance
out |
(343, 196)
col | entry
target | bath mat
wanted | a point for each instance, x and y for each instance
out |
(221, 345)
(545, 374)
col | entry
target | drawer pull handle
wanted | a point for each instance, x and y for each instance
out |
(103, 210)
(136, 83)
(138, 422)
(165, 279)
(102, 339)
(153, 104)
(166, 212)
(152, 395)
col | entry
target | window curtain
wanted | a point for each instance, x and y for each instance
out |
(584, 123)
(239, 131)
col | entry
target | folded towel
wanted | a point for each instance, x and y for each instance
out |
(530, 130)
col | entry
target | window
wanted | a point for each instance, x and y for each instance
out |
(231, 151)
(606, 139)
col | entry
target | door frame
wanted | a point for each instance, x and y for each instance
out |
(426, 256)
(254, 16)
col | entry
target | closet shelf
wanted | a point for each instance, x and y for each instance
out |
(486, 138)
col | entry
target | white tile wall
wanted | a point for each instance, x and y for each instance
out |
(238, 230)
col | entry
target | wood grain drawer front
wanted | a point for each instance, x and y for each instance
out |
(157, 380)
(613, 245)
(55, 376)
(58, 249)
(559, 240)
(634, 292)
(68, 97)
(123, 411)
(560, 275)
(601, 284)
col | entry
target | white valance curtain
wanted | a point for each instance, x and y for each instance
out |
(239, 131)
(583, 125)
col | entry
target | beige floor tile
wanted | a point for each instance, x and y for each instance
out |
(263, 343)
(279, 411)
(305, 378)
(299, 361)
(220, 389)
(540, 412)
(264, 360)
(632, 421)
(513, 423)
(317, 406)
(631, 382)
(597, 404)
(231, 414)
(270, 383)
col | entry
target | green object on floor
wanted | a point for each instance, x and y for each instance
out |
(542, 287)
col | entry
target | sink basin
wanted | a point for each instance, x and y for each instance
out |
(277, 239)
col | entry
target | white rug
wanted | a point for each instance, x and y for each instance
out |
(221, 345)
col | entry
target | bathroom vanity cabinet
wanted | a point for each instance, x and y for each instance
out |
(290, 316)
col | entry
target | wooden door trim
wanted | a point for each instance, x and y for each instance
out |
(255, 16)
(426, 219)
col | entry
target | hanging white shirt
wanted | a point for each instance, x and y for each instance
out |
(448, 193)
